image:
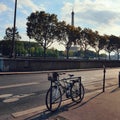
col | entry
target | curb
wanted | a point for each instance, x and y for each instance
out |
(42, 72)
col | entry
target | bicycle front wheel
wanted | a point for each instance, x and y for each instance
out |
(53, 98)
(77, 92)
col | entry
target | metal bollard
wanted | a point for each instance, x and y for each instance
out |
(119, 79)
(104, 71)
(80, 86)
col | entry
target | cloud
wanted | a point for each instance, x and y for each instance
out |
(3, 7)
(30, 4)
(96, 14)
(110, 29)
(97, 17)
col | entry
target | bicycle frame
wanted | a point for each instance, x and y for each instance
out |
(59, 87)
(65, 82)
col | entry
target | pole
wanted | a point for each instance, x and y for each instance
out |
(119, 79)
(80, 86)
(104, 71)
(14, 27)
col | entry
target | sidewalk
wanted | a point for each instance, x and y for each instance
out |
(97, 106)
(101, 106)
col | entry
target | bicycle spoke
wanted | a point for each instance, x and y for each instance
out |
(77, 92)
(55, 101)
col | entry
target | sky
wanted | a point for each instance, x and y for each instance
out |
(100, 15)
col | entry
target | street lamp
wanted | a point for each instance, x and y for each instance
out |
(14, 27)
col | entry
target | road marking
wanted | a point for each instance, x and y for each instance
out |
(18, 85)
(10, 100)
(16, 97)
(29, 111)
(35, 110)
(5, 95)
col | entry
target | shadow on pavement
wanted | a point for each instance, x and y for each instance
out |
(116, 89)
(47, 114)
(88, 100)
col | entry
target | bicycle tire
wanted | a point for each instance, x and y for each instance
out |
(77, 95)
(56, 98)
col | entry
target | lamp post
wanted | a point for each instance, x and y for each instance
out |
(14, 27)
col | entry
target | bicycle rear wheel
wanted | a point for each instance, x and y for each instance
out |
(77, 92)
(53, 98)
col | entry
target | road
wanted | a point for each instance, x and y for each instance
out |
(25, 91)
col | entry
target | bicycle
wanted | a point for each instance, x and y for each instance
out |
(71, 86)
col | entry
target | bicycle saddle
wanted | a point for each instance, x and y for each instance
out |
(71, 75)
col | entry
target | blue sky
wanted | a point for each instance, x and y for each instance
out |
(100, 15)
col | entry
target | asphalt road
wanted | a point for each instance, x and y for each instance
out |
(24, 91)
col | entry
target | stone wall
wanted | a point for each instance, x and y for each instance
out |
(41, 65)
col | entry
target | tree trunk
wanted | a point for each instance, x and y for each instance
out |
(67, 48)
(118, 56)
(109, 55)
(85, 54)
(45, 49)
(44, 52)
(98, 55)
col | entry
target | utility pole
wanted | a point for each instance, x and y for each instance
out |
(14, 27)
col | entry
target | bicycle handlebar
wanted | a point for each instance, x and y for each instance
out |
(55, 76)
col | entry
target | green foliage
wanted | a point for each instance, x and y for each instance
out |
(67, 34)
(9, 34)
(9, 38)
(5, 47)
(24, 48)
(52, 53)
(113, 44)
(41, 26)
(86, 40)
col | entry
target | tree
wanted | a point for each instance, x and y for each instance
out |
(115, 44)
(110, 46)
(99, 43)
(86, 39)
(20, 48)
(5, 47)
(41, 26)
(52, 53)
(67, 34)
(9, 36)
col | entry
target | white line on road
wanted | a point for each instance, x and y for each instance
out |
(16, 97)
(18, 85)
(29, 111)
